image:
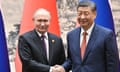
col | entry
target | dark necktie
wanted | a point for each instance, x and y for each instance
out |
(83, 45)
(43, 43)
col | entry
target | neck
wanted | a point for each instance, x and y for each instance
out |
(86, 27)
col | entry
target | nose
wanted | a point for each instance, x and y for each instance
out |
(82, 16)
(42, 23)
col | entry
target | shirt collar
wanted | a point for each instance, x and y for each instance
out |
(45, 34)
(89, 30)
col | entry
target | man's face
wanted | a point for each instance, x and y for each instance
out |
(41, 23)
(85, 16)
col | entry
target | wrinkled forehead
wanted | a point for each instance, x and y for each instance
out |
(42, 16)
(42, 13)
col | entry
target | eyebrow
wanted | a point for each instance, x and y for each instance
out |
(42, 20)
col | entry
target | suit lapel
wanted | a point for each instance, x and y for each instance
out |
(76, 42)
(91, 42)
(50, 38)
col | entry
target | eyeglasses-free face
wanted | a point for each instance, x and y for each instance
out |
(42, 23)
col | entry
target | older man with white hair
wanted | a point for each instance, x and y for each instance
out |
(40, 50)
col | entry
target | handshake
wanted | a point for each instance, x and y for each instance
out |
(57, 68)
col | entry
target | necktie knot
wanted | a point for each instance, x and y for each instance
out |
(85, 33)
(42, 37)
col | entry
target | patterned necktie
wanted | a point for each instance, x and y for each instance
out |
(83, 45)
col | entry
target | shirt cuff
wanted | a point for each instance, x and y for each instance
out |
(50, 69)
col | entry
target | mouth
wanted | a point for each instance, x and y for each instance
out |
(83, 21)
(42, 27)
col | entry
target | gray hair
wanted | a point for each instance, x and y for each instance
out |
(41, 11)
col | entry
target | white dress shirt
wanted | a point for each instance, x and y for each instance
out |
(46, 43)
(47, 46)
(88, 34)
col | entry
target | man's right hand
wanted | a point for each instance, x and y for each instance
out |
(58, 68)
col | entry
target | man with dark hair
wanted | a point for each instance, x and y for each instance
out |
(91, 48)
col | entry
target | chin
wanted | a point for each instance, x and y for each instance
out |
(83, 24)
(41, 31)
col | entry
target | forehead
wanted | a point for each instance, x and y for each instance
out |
(42, 16)
(41, 13)
(84, 9)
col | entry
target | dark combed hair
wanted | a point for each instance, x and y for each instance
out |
(85, 3)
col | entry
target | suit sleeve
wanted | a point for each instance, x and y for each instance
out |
(112, 58)
(62, 57)
(25, 54)
(67, 64)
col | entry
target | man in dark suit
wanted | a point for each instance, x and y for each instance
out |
(91, 48)
(38, 49)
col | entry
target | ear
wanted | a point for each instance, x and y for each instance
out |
(32, 19)
(95, 14)
(77, 22)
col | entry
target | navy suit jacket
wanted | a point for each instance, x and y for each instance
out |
(32, 53)
(101, 53)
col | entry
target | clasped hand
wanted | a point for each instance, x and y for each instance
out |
(57, 68)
